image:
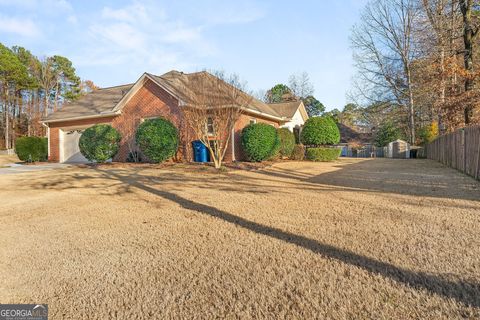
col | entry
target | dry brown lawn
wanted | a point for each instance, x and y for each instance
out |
(7, 159)
(351, 239)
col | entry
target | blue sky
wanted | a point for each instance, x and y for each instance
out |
(114, 42)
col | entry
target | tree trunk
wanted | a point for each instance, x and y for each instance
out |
(46, 103)
(443, 84)
(411, 107)
(7, 122)
(468, 37)
(55, 106)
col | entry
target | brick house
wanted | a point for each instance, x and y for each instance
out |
(125, 107)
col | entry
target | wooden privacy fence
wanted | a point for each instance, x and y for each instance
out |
(459, 150)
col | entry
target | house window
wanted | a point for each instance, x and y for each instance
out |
(210, 129)
(253, 121)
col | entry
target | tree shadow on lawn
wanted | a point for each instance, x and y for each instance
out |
(461, 290)
(421, 177)
(464, 291)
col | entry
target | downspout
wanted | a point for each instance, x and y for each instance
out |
(48, 138)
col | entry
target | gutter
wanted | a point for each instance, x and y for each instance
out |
(82, 117)
(265, 115)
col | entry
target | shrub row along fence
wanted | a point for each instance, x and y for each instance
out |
(459, 150)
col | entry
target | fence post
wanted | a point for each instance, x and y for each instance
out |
(464, 140)
(477, 172)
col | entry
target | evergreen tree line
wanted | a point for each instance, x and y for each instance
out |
(31, 88)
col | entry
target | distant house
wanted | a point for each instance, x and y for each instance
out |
(294, 111)
(149, 97)
(357, 144)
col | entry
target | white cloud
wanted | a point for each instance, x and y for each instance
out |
(20, 26)
(181, 34)
(145, 34)
(136, 13)
(72, 19)
(121, 35)
(45, 6)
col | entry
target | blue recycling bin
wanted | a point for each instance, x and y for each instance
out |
(200, 152)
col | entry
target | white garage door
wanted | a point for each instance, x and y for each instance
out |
(71, 151)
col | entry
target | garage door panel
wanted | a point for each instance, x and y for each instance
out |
(71, 150)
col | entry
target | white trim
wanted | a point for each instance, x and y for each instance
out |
(265, 115)
(303, 111)
(61, 139)
(105, 115)
(48, 141)
(232, 139)
(137, 86)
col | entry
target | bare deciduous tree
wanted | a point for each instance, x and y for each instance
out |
(300, 85)
(384, 50)
(470, 31)
(213, 111)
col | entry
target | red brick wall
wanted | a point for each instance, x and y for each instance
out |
(151, 101)
(242, 122)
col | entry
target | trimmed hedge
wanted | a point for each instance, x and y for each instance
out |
(99, 143)
(287, 142)
(158, 139)
(31, 149)
(260, 141)
(320, 131)
(298, 152)
(323, 154)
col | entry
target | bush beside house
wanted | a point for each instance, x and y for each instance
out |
(319, 131)
(99, 143)
(31, 149)
(319, 134)
(287, 142)
(260, 141)
(158, 139)
(323, 154)
(298, 152)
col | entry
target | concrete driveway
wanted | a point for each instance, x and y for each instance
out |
(14, 168)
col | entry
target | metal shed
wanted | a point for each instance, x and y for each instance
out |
(398, 149)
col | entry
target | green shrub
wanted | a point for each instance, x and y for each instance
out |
(99, 143)
(323, 154)
(158, 139)
(298, 152)
(320, 131)
(287, 142)
(31, 149)
(260, 141)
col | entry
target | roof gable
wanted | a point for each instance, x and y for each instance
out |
(186, 88)
(288, 109)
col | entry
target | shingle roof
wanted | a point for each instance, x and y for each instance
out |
(286, 109)
(98, 102)
(350, 135)
(188, 88)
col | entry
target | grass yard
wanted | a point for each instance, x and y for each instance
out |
(7, 159)
(352, 239)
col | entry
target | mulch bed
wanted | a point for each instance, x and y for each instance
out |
(185, 166)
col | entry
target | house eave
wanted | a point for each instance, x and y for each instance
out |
(95, 116)
(265, 115)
